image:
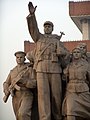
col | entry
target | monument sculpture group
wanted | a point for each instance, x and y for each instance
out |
(37, 88)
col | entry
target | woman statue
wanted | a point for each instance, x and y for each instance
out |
(76, 104)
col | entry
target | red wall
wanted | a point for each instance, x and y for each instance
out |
(79, 8)
(72, 44)
(28, 46)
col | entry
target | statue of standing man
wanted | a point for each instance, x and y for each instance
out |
(20, 83)
(47, 66)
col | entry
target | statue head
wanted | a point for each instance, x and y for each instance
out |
(82, 47)
(76, 53)
(48, 27)
(48, 23)
(20, 57)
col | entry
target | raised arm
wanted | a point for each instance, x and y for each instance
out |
(32, 23)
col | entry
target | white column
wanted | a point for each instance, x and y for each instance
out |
(85, 29)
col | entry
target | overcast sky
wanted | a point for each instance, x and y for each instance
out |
(13, 32)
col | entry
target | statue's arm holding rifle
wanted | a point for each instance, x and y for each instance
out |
(9, 86)
(28, 82)
(6, 85)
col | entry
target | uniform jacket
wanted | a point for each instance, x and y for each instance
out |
(48, 61)
(29, 76)
(79, 74)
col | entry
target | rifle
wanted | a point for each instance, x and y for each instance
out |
(14, 84)
(62, 33)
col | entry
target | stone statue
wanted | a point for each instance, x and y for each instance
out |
(20, 84)
(76, 104)
(35, 115)
(48, 69)
(83, 48)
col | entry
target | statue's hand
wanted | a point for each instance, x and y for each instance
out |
(5, 88)
(31, 8)
(21, 81)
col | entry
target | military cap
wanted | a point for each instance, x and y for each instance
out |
(20, 52)
(82, 44)
(48, 23)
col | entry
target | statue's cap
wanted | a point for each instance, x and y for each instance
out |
(48, 23)
(20, 52)
(82, 44)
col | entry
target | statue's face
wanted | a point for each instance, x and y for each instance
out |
(77, 54)
(83, 49)
(48, 29)
(20, 58)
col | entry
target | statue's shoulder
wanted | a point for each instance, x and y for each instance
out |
(56, 36)
(84, 61)
(13, 69)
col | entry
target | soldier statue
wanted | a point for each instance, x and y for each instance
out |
(47, 65)
(20, 84)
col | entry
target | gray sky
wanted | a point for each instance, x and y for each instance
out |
(13, 32)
